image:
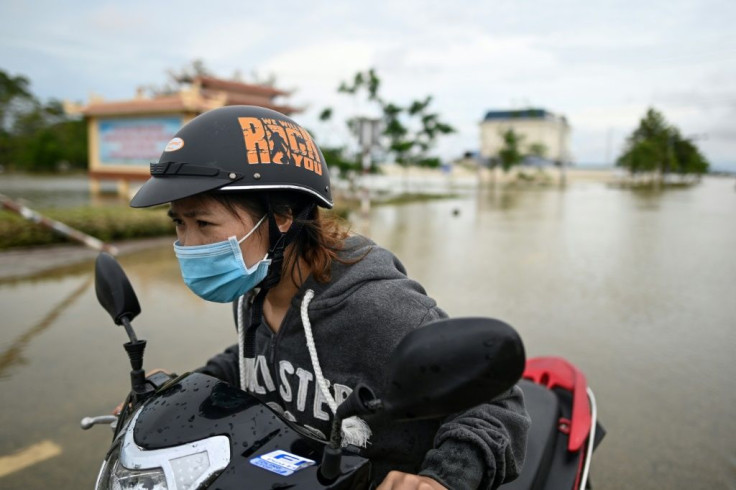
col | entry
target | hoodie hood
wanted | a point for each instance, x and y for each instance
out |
(360, 262)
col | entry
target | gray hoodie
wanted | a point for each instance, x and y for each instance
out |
(357, 319)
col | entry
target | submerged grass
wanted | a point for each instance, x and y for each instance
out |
(414, 197)
(116, 223)
(104, 223)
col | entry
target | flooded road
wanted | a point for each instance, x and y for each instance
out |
(635, 288)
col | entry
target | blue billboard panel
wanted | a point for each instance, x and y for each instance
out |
(135, 141)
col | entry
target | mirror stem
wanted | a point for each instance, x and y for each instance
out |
(137, 374)
(129, 329)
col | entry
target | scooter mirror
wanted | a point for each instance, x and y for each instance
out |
(113, 289)
(451, 365)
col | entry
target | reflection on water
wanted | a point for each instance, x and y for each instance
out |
(12, 354)
(635, 288)
(65, 359)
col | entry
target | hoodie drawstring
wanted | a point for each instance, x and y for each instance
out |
(355, 431)
(241, 343)
(321, 382)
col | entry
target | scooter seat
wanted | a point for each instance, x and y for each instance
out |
(544, 409)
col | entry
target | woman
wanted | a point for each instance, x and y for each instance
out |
(318, 310)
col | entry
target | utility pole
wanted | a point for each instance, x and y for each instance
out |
(368, 133)
(563, 130)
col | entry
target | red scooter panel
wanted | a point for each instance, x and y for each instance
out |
(556, 372)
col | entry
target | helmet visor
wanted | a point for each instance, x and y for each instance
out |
(161, 190)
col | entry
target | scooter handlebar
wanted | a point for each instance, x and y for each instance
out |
(88, 422)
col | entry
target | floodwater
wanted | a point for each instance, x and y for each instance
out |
(637, 289)
(43, 192)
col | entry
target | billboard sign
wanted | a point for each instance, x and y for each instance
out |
(135, 141)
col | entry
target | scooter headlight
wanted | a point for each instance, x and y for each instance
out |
(185, 467)
(118, 477)
(187, 471)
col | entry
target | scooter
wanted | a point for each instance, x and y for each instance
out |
(565, 429)
(193, 431)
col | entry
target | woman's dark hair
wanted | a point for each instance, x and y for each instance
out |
(320, 239)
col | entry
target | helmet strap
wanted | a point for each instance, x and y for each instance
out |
(279, 241)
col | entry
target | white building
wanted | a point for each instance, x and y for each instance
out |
(535, 126)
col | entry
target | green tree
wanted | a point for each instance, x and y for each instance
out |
(510, 153)
(57, 143)
(409, 132)
(179, 77)
(336, 159)
(688, 158)
(538, 150)
(36, 136)
(657, 147)
(336, 156)
(14, 94)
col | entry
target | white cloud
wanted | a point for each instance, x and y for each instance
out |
(601, 64)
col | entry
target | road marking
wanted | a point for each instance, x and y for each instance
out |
(28, 457)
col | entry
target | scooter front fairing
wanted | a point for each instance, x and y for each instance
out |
(197, 432)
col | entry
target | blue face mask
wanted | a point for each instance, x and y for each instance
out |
(217, 272)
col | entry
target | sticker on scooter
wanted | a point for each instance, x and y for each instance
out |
(281, 462)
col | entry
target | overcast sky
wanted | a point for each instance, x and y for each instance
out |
(599, 63)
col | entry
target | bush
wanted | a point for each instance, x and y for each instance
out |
(104, 223)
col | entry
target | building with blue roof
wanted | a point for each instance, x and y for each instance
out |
(538, 128)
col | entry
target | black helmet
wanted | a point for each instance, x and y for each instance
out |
(237, 148)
